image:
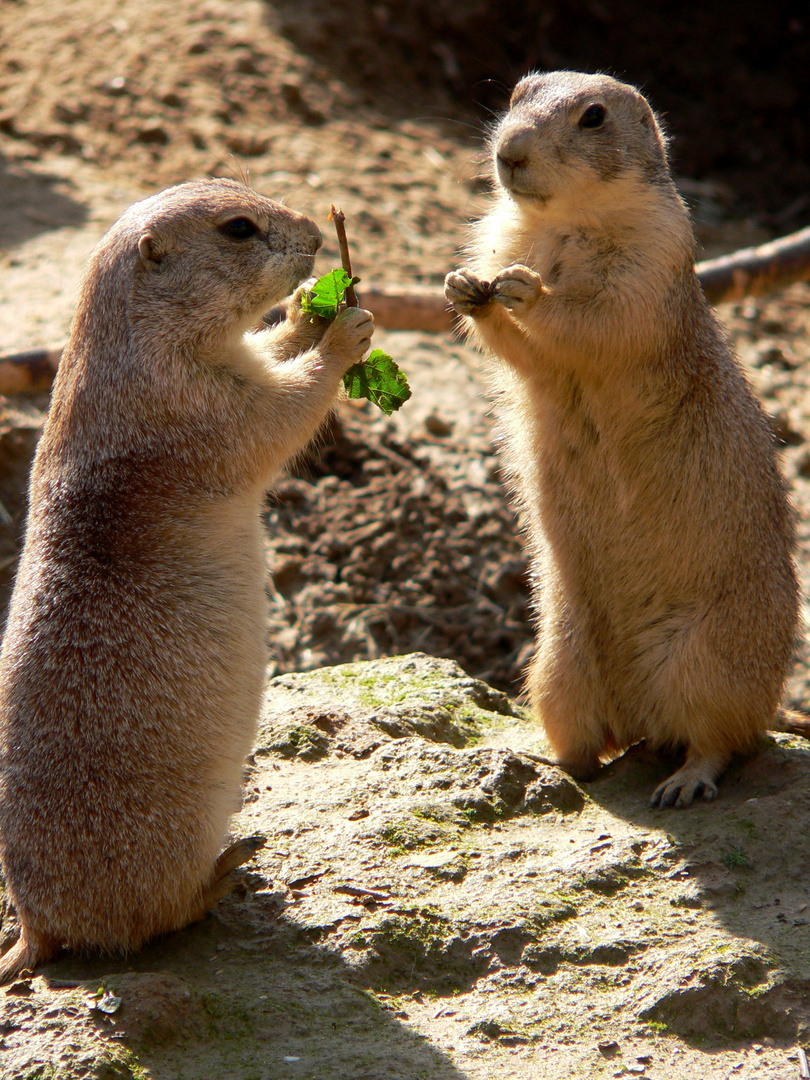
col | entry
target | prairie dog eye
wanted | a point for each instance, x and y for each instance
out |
(240, 228)
(593, 117)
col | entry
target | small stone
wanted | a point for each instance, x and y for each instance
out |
(109, 1003)
(117, 86)
(294, 98)
(770, 353)
(609, 1049)
(246, 65)
(785, 429)
(438, 426)
(247, 144)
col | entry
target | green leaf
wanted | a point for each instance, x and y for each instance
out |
(326, 295)
(379, 379)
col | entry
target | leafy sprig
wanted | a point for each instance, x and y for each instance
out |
(327, 294)
(378, 378)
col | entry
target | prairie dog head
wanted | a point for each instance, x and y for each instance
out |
(199, 261)
(567, 135)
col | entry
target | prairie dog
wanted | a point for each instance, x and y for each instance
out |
(133, 660)
(660, 535)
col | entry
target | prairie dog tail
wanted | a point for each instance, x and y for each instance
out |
(28, 951)
(797, 723)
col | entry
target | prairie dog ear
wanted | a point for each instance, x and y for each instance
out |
(148, 252)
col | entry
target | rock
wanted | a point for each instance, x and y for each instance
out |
(732, 997)
(408, 855)
(438, 426)
(155, 1006)
(355, 708)
(552, 790)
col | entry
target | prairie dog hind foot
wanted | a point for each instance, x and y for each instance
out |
(697, 777)
(223, 881)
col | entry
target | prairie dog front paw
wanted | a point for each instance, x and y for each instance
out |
(294, 331)
(309, 326)
(348, 336)
(517, 287)
(294, 303)
(468, 294)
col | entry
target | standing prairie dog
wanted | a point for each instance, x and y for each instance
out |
(133, 660)
(661, 540)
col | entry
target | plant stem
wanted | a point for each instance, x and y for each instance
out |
(339, 219)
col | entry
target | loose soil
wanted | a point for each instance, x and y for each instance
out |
(431, 902)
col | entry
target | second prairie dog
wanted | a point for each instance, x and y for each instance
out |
(660, 536)
(133, 658)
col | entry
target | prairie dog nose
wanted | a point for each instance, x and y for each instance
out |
(513, 148)
(313, 241)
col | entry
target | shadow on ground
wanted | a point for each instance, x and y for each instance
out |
(244, 993)
(33, 204)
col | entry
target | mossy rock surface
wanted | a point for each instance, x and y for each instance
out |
(435, 902)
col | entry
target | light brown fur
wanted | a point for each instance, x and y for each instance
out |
(660, 535)
(133, 658)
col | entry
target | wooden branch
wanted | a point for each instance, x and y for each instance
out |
(30, 372)
(749, 272)
(417, 309)
(757, 270)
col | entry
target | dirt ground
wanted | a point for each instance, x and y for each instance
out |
(395, 536)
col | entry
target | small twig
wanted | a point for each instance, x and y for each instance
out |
(339, 218)
(804, 1068)
(361, 892)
